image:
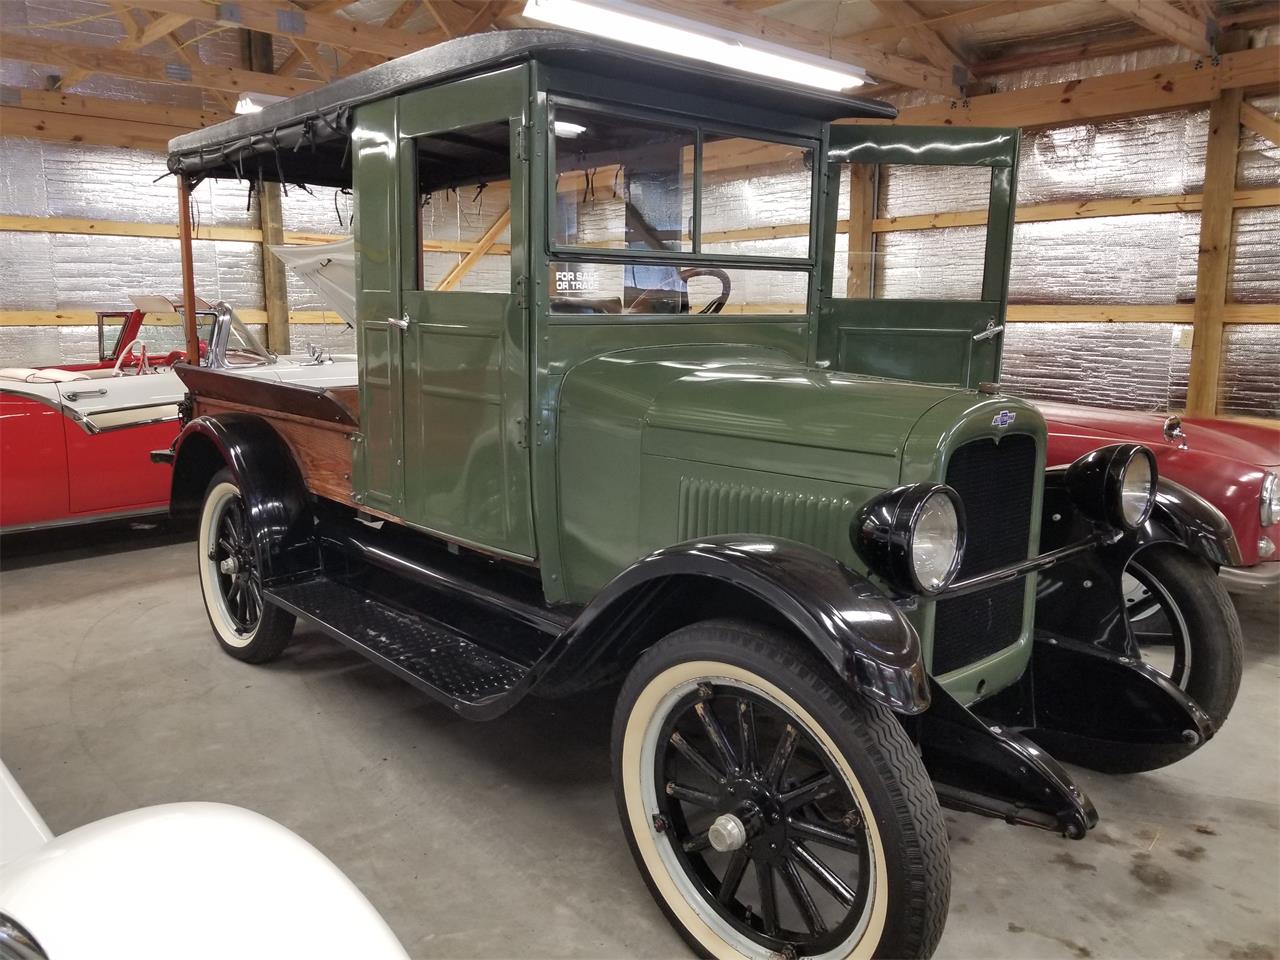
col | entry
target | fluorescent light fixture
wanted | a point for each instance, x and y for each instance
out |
(253, 102)
(566, 130)
(645, 27)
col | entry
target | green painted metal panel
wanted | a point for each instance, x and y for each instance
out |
(466, 382)
(377, 479)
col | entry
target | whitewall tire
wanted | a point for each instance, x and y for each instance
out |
(772, 811)
(245, 625)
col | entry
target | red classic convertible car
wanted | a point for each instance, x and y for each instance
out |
(75, 439)
(1232, 464)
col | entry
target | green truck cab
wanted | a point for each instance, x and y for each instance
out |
(638, 426)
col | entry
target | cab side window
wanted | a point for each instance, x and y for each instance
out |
(898, 246)
(464, 209)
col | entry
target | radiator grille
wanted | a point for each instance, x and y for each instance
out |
(996, 482)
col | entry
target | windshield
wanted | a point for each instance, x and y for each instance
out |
(653, 218)
(232, 344)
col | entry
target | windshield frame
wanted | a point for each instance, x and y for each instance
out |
(700, 127)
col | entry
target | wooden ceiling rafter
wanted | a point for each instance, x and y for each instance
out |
(930, 42)
(988, 11)
(1165, 20)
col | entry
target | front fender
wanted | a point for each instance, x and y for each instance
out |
(850, 623)
(1083, 597)
(270, 483)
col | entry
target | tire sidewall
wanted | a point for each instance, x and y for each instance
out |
(1213, 629)
(699, 651)
(222, 488)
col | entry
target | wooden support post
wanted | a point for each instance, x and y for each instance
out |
(274, 286)
(862, 215)
(259, 56)
(188, 272)
(1214, 262)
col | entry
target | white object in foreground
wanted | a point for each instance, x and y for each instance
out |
(200, 881)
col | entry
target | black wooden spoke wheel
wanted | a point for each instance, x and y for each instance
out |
(772, 811)
(761, 822)
(245, 625)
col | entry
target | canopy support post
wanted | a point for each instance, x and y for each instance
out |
(188, 271)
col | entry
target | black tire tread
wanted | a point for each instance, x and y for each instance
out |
(925, 846)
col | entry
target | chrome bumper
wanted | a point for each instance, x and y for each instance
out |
(1255, 579)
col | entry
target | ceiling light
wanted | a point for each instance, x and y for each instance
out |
(636, 24)
(567, 130)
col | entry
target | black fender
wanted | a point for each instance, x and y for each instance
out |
(1082, 596)
(847, 620)
(271, 485)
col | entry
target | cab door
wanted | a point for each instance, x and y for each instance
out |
(914, 296)
(447, 375)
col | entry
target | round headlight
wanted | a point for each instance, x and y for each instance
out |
(935, 543)
(912, 536)
(1269, 509)
(1137, 489)
(1114, 485)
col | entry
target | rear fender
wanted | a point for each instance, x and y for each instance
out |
(851, 624)
(270, 483)
(1082, 597)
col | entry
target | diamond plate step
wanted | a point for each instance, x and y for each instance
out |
(429, 654)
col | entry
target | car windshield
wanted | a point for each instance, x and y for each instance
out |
(233, 344)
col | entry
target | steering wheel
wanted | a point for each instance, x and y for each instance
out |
(140, 362)
(715, 305)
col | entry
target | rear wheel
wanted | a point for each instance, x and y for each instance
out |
(771, 810)
(245, 625)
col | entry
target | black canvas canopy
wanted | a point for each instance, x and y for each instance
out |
(304, 139)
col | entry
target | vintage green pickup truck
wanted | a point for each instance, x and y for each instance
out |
(623, 426)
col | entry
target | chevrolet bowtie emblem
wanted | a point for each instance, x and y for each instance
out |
(1003, 418)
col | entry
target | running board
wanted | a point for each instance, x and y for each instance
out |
(433, 656)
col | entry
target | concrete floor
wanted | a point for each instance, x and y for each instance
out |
(501, 839)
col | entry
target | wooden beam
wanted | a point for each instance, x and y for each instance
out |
(314, 56)
(463, 266)
(926, 40)
(1174, 86)
(187, 118)
(67, 128)
(1250, 313)
(1263, 124)
(885, 66)
(862, 241)
(188, 272)
(286, 20)
(138, 66)
(83, 318)
(1164, 19)
(986, 11)
(275, 289)
(1213, 267)
(1079, 210)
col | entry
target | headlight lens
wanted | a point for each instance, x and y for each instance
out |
(1114, 485)
(935, 543)
(1269, 511)
(912, 536)
(1136, 487)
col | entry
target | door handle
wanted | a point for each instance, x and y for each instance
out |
(74, 395)
(401, 322)
(993, 330)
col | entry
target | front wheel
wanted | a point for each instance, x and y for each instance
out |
(1186, 626)
(772, 811)
(245, 625)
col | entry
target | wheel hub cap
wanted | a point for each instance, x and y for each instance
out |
(230, 566)
(727, 833)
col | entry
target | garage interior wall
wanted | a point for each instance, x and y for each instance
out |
(1144, 260)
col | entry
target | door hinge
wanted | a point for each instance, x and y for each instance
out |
(522, 142)
(522, 433)
(522, 292)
